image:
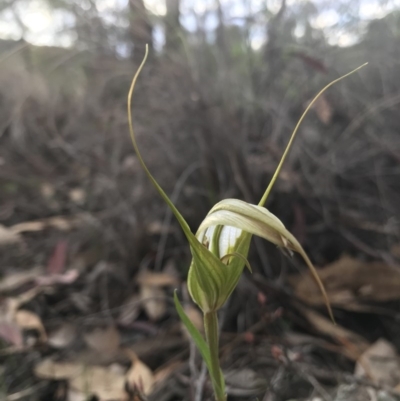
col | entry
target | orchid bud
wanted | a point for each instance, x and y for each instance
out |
(212, 279)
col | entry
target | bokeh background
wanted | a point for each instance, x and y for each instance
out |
(84, 238)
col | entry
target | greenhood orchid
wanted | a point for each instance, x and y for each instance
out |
(220, 248)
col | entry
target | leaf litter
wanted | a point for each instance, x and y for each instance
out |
(120, 372)
(137, 347)
(59, 312)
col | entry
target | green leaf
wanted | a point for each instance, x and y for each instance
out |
(206, 278)
(185, 227)
(210, 281)
(194, 333)
(206, 265)
(197, 338)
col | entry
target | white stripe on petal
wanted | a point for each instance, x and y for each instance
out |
(227, 240)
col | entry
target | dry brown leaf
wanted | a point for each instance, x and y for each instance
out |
(153, 301)
(63, 336)
(50, 369)
(139, 375)
(66, 278)
(11, 333)
(13, 281)
(106, 383)
(104, 340)
(62, 223)
(152, 294)
(8, 236)
(28, 226)
(59, 222)
(157, 279)
(349, 281)
(354, 345)
(380, 364)
(28, 320)
(14, 321)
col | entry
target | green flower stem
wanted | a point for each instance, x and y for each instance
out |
(289, 145)
(211, 330)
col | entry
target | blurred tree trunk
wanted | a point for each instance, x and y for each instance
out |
(172, 25)
(273, 28)
(141, 30)
(220, 32)
(273, 50)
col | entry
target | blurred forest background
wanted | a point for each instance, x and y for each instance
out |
(86, 245)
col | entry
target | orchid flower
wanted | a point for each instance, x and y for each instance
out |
(220, 248)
